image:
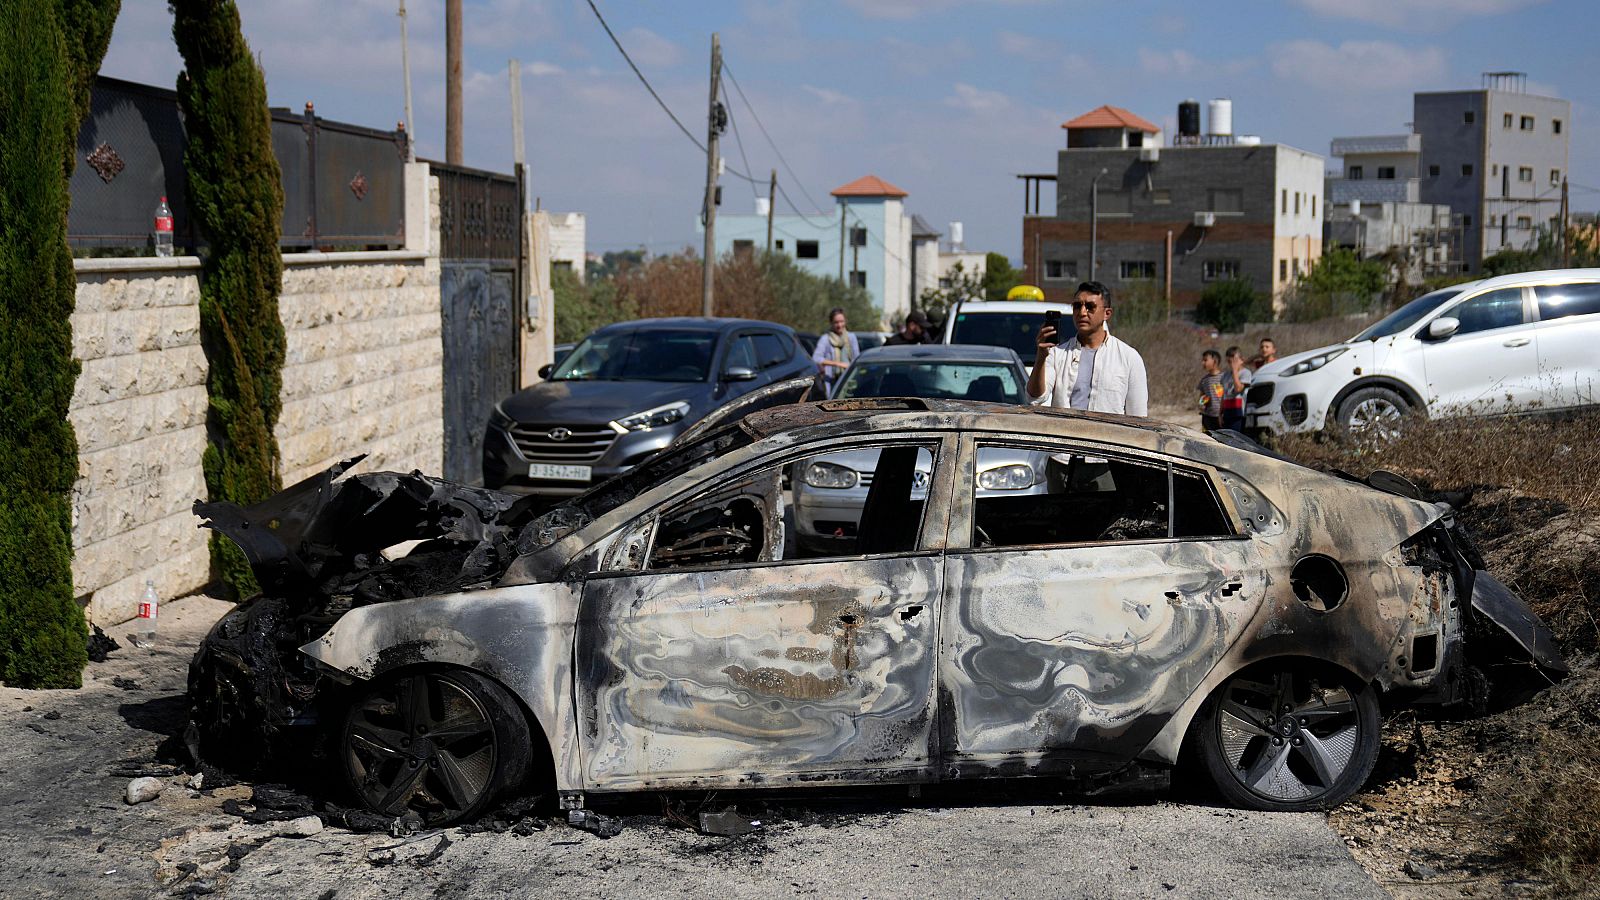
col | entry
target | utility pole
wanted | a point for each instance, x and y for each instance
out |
(517, 157)
(405, 66)
(1563, 222)
(843, 209)
(452, 82)
(716, 119)
(772, 190)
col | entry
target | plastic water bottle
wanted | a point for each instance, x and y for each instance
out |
(144, 631)
(163, 228)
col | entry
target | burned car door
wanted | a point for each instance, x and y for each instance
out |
(1078, 618)
(727, 658)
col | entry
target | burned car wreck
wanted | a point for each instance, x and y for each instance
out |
(1146, 591)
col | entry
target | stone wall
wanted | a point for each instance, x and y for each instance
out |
(363, 374)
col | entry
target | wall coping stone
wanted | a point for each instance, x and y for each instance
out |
(160, 263)
(135, 263)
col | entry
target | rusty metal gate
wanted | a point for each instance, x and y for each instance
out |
(480, 292)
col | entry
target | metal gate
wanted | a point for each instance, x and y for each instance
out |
(480, 292)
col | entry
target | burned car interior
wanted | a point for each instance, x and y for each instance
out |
(1097, 610)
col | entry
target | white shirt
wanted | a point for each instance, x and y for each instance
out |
(1117, 385)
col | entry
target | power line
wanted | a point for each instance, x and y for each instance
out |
(740, 142)
(786, 167)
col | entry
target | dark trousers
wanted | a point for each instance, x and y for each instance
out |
(1209, 424)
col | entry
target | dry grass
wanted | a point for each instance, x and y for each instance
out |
(1552, 797)
(1171, 350)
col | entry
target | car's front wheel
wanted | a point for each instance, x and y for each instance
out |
(1374, 414)
(1289, 736)
(441, 744)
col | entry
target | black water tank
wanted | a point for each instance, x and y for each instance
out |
(1189, 118)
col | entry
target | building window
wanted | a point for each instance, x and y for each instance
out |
(1505, 121)
(1227, 200)
(1525, 173)
(1297, 267)
(805, 249)
(1494, 170)
(858, 278)
(778, 244)
(1524, 222)
(1555, 126)
(1161, 197)
(1386, 173)
(1466, 170)
(1466, 221)
(858, 237)
(1283, 270)
(1136, 269)
(1356, 173)
(1286, 201)
(1527, 123)
(1297, 203)
(1219, 269)
(1555, 176)
(1433, 171)
(1060, 269)
(1313, 206)
(744, 249)
(1469, 117)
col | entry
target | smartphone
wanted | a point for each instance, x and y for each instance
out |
(1052, 317)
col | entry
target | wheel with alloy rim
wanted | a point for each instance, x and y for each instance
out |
(438, 744)
(1289, 737)
(1374, 414)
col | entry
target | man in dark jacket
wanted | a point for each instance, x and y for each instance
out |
(916, 331)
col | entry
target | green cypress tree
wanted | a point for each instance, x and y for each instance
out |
(49, 52)
(237, 203)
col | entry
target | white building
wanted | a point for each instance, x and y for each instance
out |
(568, 239)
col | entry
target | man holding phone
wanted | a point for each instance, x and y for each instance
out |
(1092, 370)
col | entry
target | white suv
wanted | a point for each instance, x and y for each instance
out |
(1002, 323)
(1523, 342)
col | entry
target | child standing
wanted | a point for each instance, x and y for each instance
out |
(1210, 388)
(1235, 382)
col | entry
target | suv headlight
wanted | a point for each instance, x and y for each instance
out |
(1015, 477)
(652, 418)
(828, 475)
(499, 419)
(1314, 363)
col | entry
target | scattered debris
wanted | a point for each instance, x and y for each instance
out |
(594, 823)
(52, 715)
(101, 644)
(381, 857)
(127, 684)
(436, 852)
(305, 826)
(137, 768)
(728, 823)
(1420, 871)
(515, 816)
(196, 781)
(142, 789)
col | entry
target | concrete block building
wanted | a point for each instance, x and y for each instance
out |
(1171, 219)
(1375, 208)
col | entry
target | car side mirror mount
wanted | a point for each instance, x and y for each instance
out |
(739, 373)
(1443, 327)
(545, 370)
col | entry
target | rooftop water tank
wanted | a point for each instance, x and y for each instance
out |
(1221, 113)
(763, 206)
(956, 234)
(1189, 118)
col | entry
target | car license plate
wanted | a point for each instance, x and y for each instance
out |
(558, 473)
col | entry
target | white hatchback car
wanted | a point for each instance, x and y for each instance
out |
(1514, 343)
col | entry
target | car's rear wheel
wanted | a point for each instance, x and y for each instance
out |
(1289, 736)
(441, 744)
(1375, 414)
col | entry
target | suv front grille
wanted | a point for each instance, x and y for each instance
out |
(1260, 394)
(578, 443)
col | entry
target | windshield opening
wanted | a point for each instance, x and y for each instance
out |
(1406, 316)
(1016, 330)
(994, 383)
(639, 355)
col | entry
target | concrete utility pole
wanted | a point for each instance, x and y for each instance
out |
(515, 69)
(843, 209)
(1563, 223)
(452, 82)
(715, 119)
(772, 190)
(1094, 222)
(405, 67)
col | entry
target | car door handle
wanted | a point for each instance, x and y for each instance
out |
(1517, 342)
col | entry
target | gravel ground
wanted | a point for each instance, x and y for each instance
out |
(67, 832)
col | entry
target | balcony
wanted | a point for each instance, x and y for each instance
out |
(1396, 190)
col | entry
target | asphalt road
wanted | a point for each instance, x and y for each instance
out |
(65, 830)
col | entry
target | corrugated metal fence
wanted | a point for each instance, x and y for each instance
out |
(343, 185)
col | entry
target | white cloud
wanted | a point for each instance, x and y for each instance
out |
(828, 97)
(976, 100)
(651, 50)
(541, 69)
(1022, 46)
(904, 10)
(1413, 15)
(1167, 62)
(1367, 66)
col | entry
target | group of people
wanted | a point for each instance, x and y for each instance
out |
(1089, 370)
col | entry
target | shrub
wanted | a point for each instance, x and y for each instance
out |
(237, 204)
(1228, 305)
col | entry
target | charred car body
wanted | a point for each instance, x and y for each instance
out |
(1169, 591)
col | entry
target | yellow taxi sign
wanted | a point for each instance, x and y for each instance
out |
(1025, 292)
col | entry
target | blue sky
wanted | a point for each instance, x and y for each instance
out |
(948, 99)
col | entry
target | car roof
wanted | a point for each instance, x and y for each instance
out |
(967, 414)
(691, 323)
(1543, 276)
(1008, 306)
(940, 353)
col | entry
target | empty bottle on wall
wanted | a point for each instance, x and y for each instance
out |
(144, 631)
(163, 228)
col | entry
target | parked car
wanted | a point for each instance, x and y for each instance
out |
(658, 631)
(830, 490)
(1013, 324)
(625, 392)
(1515, 343)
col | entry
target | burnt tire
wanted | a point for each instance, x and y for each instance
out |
(440, 744)
(1373, 413)
(1289, 736)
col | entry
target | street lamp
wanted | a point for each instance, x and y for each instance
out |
(1094, 220)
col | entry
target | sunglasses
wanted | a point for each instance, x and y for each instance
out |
(1090, 306)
